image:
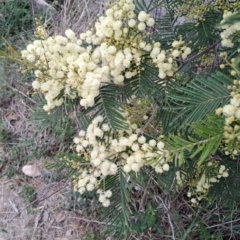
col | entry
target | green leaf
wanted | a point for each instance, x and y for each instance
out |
(228, 188)
(108, 105)
(206, 139)
(205, 32)
(145, 84)
(118, 212)
(198, 98)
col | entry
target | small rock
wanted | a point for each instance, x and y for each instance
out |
(31, 170)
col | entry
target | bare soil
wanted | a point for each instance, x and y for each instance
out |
(52, 214)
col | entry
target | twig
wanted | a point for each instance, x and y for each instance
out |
(231, 227)
(75, 116)
(221, 224)
(150, 119)
(133, 236)
(38, 200)
(92, 221)
(86, 8)
(16, 90)
(184, 63)
(169, 217)
(141, 208)
(13, 206)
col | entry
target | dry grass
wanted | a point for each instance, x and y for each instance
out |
(77, 15)
(53, 215)
(73, 14)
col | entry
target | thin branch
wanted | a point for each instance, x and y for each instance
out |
(169, 217)
(221, 224)
(184, 63)
(86, 8)
(92, 221)
(141, 205)
(16, 90)
(150, 119)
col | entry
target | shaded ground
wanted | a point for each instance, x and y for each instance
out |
(50, 217)
(53, 215)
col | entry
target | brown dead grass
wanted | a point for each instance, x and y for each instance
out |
(77, 15)
(74, 14)
(53, 216)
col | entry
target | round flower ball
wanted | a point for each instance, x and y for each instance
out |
(165, 167)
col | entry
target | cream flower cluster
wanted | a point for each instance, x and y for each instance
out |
(231, 112)
(200, 190)
(106, 153)
(74, 66)
(111, 51)
(120, 33)
(229, 30)
(64, 66)
(204, 179)
(165, 59)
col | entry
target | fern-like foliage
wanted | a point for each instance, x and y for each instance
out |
(228, 188)
(84, 120)
(191, 103)
(204, 141)
(205, 32)
(65, 162)
(109, 105)
(145, 84)
(166, 30)
(153, 6)
(118, 213)
(40, 115)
